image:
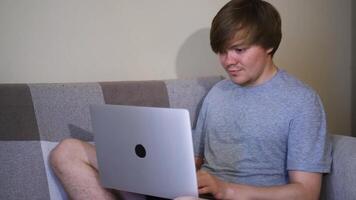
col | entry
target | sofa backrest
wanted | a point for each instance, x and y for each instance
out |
(35, 117)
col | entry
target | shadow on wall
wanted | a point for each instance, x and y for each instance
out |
(195, 57)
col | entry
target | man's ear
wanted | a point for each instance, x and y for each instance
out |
(269, 51)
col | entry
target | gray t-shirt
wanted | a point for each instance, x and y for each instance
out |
(254, 135)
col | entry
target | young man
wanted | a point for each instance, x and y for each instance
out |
(260, 135)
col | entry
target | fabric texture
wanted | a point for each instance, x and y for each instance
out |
(253, 135)
(341, 182)
(17, 116)
(22, 174)
(142, 93)
(62, 110)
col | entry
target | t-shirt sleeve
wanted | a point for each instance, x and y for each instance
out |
(309, 147)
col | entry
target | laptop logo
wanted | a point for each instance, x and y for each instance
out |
(140, 151)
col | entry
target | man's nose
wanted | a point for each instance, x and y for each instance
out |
(230, 58)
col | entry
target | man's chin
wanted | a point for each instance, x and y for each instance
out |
(238, 81)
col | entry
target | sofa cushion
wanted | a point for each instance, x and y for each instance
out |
(341, 182)
(17, 117)
(138, 93)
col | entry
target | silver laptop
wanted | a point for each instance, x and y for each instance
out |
(145, 150)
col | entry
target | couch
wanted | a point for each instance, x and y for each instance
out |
(35, 117)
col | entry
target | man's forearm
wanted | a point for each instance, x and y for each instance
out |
(303, 186)
(293, 191)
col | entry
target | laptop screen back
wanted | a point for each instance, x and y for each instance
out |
(145, 150)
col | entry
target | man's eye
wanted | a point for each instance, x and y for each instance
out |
(240, 50)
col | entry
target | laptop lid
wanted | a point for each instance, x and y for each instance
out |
(145, 150)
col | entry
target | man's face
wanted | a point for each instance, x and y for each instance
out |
(247, 65)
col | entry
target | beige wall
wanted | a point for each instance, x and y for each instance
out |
(317, 48)
(92, 40)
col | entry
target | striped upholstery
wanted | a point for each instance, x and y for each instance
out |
(35, 117)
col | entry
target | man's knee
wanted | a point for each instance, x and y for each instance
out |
(65, 152)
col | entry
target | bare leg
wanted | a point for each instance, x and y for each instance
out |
(75, 164)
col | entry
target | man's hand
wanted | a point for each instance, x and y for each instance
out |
(303, 186)
(208, 183)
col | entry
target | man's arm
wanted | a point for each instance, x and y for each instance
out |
(302, 185)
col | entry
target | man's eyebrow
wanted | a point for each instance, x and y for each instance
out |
(237, 45)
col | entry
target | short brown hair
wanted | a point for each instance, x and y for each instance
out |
(256, 22)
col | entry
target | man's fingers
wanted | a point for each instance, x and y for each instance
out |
(202, 183)
(201, 173)
(205, 182)
(204, 190)
(202, 179)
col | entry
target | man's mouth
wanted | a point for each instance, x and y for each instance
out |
(234, 72)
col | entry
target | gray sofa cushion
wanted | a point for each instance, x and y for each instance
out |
(340, 184)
